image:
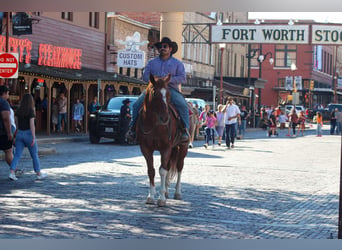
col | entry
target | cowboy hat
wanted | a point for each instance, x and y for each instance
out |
(168, 41)
(126, 101)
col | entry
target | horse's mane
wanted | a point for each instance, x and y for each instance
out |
(149, 95)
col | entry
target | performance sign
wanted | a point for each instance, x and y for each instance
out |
(327, 34)
(286, 34)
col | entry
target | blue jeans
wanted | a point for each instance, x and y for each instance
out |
(332, 127)
(319, 129)
(176, 98)
(60, 117)
(230, 133)
(242, 127)
(339, 128)
(24, 139)
(210, 134)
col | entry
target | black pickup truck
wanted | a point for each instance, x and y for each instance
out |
(106, 121)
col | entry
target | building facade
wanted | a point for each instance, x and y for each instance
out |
(315, 74)
(66, 52)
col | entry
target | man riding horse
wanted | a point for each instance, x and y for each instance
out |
(161, 66)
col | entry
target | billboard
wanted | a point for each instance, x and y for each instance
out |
(21, 24)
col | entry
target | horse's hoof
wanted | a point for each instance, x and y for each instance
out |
(149, 200)
(190, 145)
(161, 203)
(177, 196)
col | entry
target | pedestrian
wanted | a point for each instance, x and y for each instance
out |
(301, 123)
(44, 106)
(93, 106)
(294, 120)
(62, 112)
(288, 118)
(194, 121)
(203, 115)
(77, 114)
(338, 115)
(282, 120)
(161, 66)
(54, 114)
(244, 116)
(264, 119)
(210, 123)
(220, 123)
(6, 136)
(332, 122)
(272, 124)
(319, 121)
(26, 137)
(232, 116)
(125, 119)
(198, 125)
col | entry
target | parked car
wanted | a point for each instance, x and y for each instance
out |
(200, 102)
(333, 106)
(325, 113)
(299, 108)
(106, 121)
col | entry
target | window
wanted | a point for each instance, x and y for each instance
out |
(67, 16)
(285, 55)
(94, 18)
(254, 49)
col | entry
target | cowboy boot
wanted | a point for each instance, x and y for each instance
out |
(185, 135)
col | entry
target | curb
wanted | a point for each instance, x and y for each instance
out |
(66, 138)
(41, 151)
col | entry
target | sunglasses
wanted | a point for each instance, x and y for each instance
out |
(164, 46)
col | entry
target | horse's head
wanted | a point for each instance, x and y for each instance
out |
(159, 87)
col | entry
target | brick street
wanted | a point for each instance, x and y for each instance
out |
(264, 188)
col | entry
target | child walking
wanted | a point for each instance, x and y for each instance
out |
(319, 121)
(211, 122)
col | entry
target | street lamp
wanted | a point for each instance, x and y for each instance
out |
(251, 53)
(335, 88)
(261, 58)
(294, 91)
(222, 46)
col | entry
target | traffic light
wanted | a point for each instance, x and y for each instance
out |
(312, 84)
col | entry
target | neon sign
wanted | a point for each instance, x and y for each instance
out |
(60, 57)
(15, 45)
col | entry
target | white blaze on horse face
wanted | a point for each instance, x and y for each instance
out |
(163, 92)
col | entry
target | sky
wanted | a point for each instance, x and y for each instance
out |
(331, 17)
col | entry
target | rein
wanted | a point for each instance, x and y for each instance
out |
(160, 122)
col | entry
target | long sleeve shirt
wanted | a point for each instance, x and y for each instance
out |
(161, 68)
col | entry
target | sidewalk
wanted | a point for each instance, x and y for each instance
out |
(43, 139)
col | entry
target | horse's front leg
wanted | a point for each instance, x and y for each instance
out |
(151, 174)
(165, 156)
(167, 184)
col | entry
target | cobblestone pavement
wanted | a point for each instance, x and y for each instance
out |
(264, 188)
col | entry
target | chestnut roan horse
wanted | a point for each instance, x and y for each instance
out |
(158, 128)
